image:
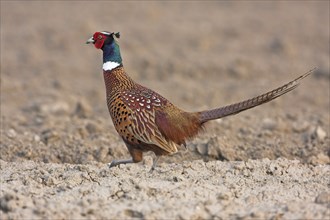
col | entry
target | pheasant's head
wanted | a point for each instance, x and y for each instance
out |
(107, 41)
(99, 39)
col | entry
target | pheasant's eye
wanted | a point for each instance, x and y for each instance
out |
(99, 37)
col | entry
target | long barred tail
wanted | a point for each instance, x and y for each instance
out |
(250, 103)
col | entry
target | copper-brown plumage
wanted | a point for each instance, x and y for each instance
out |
(147, 121)
(144, 119)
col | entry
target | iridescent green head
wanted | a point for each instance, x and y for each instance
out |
(107, 41)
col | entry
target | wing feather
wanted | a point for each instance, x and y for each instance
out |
(142, 118)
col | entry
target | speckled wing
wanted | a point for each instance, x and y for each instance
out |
(143, 104)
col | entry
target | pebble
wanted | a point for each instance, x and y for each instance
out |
(49, 136)
(274, 170)
(6, 202)
(92, 128)
(319, 159)
(82, 132)
(300, 127)
(224, 195)
(252, 199)
(178, 178)
(38, 120)
(246, 173)
(257, 214)
(281, 46)
(239, 165)
(240, 68)
(250, 164)
(268, 124)
(133, 213)
(83, 109)
(11, 133)
(212, 147)
(277, 45)
(320, 133)
(323, 198)
(36, 138)
(202, 149)
(58, 107)
(321, 73)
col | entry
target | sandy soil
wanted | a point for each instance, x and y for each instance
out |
(57, 137)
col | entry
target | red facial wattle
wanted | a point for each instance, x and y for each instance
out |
(99, 40)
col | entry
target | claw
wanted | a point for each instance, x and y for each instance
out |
(112, 164)
(117, 162)
(152, 169)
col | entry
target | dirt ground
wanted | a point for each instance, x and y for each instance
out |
(271, 162)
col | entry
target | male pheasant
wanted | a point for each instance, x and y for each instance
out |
(145, 120)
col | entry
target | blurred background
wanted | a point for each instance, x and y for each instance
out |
(199, 55)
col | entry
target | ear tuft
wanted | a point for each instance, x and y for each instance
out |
(117, 35)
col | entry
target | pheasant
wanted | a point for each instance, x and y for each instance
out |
(145, 120)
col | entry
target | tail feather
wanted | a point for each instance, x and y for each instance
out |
(250, 103)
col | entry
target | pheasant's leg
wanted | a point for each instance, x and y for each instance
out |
(154, 164)
(136, 157)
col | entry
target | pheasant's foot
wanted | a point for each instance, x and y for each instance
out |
(117, 162)
(154, 164)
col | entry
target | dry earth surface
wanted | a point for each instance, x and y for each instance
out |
(57, 137)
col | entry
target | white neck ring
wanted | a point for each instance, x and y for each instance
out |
(107, 66)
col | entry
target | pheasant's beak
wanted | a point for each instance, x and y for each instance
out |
(90, 40)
